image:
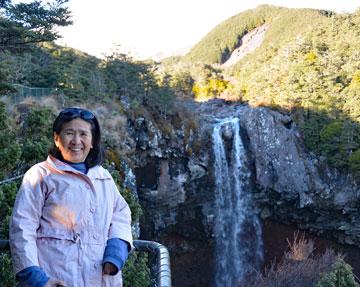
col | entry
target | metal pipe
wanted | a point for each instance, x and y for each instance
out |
(163, 271)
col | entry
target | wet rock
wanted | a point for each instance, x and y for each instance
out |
(175, 179)
(196, 170)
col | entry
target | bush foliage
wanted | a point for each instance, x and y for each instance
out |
(301, 267)
(340, 276)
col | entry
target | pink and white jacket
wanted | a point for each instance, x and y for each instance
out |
(62, 219)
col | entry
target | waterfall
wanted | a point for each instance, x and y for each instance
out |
(238, 235)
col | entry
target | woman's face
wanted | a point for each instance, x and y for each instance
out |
(74, 140)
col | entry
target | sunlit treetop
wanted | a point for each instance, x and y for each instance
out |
(25, 24)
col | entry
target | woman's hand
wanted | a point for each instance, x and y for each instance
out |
(109, 269)
(55, 283)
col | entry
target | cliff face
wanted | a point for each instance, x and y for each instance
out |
(175, 183)
(294, 186)
(248, 44)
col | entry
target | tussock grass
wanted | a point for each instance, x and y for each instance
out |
(299, 267)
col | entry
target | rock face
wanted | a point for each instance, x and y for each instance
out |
(175, 183)
(248, 43)
(295, 186)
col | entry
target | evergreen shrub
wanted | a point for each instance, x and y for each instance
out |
(340, 276)
(354, 161)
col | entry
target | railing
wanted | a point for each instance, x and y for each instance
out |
(25, 91)
(21, 92)
(163, 271)
(11, 179)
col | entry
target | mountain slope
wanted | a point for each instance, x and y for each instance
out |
(284, 23)
(307, 65)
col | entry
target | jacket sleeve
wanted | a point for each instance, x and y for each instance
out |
(116, 253)
(120, 226)
(32, 276)
(25, 221)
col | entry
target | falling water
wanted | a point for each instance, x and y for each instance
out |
(238, 247)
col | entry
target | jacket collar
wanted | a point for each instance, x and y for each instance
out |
(96, 172)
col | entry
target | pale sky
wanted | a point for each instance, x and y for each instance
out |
(146, 28)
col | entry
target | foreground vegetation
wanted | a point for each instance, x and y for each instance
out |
(301, 266)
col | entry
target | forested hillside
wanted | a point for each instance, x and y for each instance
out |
(316, 78)
(307, 65)
(286, 24)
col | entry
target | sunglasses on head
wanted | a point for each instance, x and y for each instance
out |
(73, 113)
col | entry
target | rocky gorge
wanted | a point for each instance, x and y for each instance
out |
(227, 185)
(291, 188)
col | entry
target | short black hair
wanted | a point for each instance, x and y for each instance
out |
(96, 154)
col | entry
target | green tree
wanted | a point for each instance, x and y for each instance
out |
(4, 74)
(9, 148)
(354, 161)
(124, 76)
(182, 82)
(340, 276)
(7, 199)
(36, 135)
(24, 24)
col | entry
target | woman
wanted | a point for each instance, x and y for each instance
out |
(70, 226)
